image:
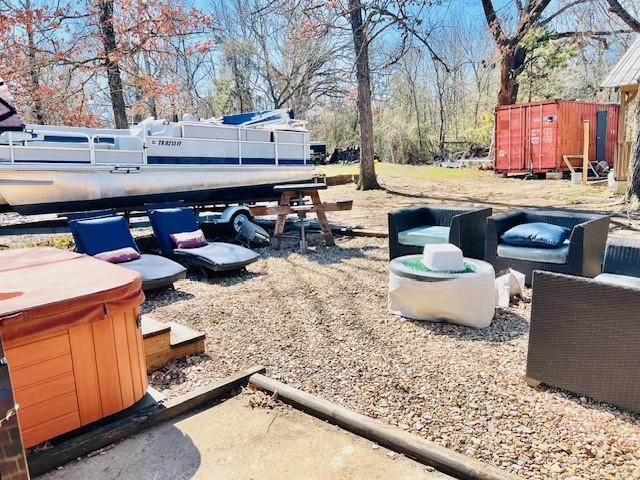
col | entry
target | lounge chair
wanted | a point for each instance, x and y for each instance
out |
(214, 256)
(410, 229)
(580, 254)
(107, 234)
(584, 333)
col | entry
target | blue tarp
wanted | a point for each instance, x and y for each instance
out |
(240, 118)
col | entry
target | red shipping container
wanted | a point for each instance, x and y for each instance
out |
(534, 137)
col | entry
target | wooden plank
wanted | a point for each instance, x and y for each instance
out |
(40, 392)
(261, 210)
(44, 431)
(424, 451)
(360, 232)
(106, 360)
(322, 219)
(136, 355)
(85, 373)
(38, 351)
(45, 460)
(159, 360)
(124, 359)
(585, 151)
(40, 372)
(49, 410)
(157, 343)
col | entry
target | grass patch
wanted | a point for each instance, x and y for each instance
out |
(423, 172)
(62, 242)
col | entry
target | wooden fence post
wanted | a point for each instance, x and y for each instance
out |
(585, 151)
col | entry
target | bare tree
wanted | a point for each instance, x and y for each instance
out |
(367, 180)
(634, 24)
(114, 78)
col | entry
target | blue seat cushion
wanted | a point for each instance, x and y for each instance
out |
(424, 235)
(98, 235)
(167, 221)
(556, 255)
(615, 279)
(536, 234)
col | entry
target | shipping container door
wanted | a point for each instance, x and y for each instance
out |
(543, 122)
(511, 139)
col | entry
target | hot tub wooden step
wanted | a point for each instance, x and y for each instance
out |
(165, 342)
(151, 327)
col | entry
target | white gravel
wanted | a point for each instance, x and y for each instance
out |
(319, 322)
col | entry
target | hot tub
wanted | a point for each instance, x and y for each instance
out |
(70, 328)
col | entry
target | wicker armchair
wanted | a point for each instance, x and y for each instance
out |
(584, 337)
(466, 227)
(586, 243)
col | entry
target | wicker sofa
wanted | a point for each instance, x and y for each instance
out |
(585, 333)
(412, 228)
(581, 255)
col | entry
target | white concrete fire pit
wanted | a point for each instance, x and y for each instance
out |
(465, 296)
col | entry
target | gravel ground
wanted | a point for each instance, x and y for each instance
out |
(319, 322)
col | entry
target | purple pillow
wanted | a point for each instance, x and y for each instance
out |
(119, 256)
(189, 239)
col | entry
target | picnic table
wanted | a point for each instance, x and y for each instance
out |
(293, 202)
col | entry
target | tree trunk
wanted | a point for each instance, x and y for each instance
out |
(151, 101)
(38, 111)
(634, 184)
(114, 78)
(511, 62)
(367, 180)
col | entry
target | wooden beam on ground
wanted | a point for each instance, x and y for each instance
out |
(359, 232)
(45, 460)
(424, 451)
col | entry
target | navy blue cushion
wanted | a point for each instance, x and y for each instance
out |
(166, 221)
(536, 234)
(99, 235)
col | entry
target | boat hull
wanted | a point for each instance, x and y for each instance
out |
(46, 190)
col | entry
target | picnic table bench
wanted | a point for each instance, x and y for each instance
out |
(293, 202)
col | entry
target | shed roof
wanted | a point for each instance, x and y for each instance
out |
(627, 71)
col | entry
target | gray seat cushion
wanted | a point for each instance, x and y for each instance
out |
(531, 254)
(156, 271)
(615, 279)
(424, 235)
(219, 256)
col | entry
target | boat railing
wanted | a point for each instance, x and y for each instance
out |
(90, 140)
(275, 143)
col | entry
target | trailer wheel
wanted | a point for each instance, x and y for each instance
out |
(238, 218)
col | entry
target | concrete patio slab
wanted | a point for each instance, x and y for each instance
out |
(233, 441)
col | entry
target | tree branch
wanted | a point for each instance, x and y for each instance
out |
(625, 16)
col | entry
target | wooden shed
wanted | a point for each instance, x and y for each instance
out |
(625, 78)
(70, 329)
(536, 137)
